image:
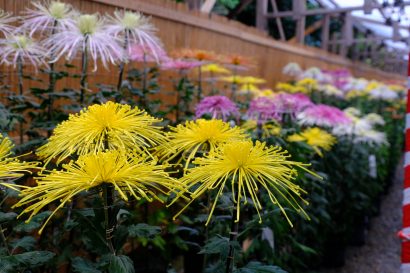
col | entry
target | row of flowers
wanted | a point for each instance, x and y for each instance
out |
(232, 159)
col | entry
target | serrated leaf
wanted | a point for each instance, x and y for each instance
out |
(144, 230)
(7, 216)
(33, 258)
(83, 266)
(121, 264)
(34, 223)
(257, 267)
(27, 243)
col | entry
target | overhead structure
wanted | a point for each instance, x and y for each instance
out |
(383, 26)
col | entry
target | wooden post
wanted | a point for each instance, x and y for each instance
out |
(278, 21)
(325, 32)
(347, 34)
(207, 6)
(299, 7)
(194, 4)
(261, 11)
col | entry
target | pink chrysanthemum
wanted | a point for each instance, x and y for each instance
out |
(291, 103)
(339, 77)
(47, 17)
(180, 65)
(87, 34)
(323, 115)
(219, 107)
(262, 109)
(133, 28)
(142, 53)
(5, 20)
(20, 48)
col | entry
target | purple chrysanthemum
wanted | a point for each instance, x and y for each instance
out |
(323, 115)
(142, 53)
(46, 17)
(180, 65)
(262, 109)
(291, 103)
(219, 107)
(88, 34)
(5, 20)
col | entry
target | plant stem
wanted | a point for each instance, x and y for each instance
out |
(52, 82)
(234, 84)
(83, 80)
(208, 203)
(122, 64)
(3, 238)
(233, 235)
(108, 197)
(144, 82)
(20, 87)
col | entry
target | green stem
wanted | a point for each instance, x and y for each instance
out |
(4, 240)
(52, 82)
(234, 85)
(20, 88)
(122, 64)
(233, 236)
(108, 198)
(83, 80)
(208, 206)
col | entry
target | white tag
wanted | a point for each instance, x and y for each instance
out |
(267, 234)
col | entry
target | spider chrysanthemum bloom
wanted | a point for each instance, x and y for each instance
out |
(218, 107)
(133, 28)
(133, 176)
(291, 103)
(11, 167)
(214, 69)
(100, 127)
(198, 136)
(53, 15)
(20, 48)
(315, 138)
(262, 109)
(5, 20)
(323, 115)
(247, 169)
(87, 34)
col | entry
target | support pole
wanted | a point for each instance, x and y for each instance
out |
(299, 8)
(261, 11)
(325, 32)
(404, 234)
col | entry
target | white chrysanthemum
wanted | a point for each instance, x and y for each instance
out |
(352, 112)
(374, 119)
(330, 90)
(88, 34)
(383, 93)
(356, 84)
(371, 137)
(46, 17)
(292, 69)
(5, 20)
(313, 73)
(355, 128)
(133, 28)
(18, 48)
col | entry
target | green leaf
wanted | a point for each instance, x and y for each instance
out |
(34, 223)
(257, 267)
(7, 216)
(121, 264)
(83, 266)
(27, 243)
(144, 230)
(34, 258)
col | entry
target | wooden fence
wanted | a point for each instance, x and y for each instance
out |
(180, 28)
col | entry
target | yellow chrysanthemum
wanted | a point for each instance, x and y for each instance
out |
(215, 68)
(251, 80)
(249, 89)
(100, 127)
(268, 129)
(355, 93)
(289, 88)
(308, 83)
(246, 168)
(132, 176)
(316, 138)
(266, 93)
(11, 167)
(198, 136)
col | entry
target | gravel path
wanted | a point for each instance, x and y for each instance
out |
(381, 253)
